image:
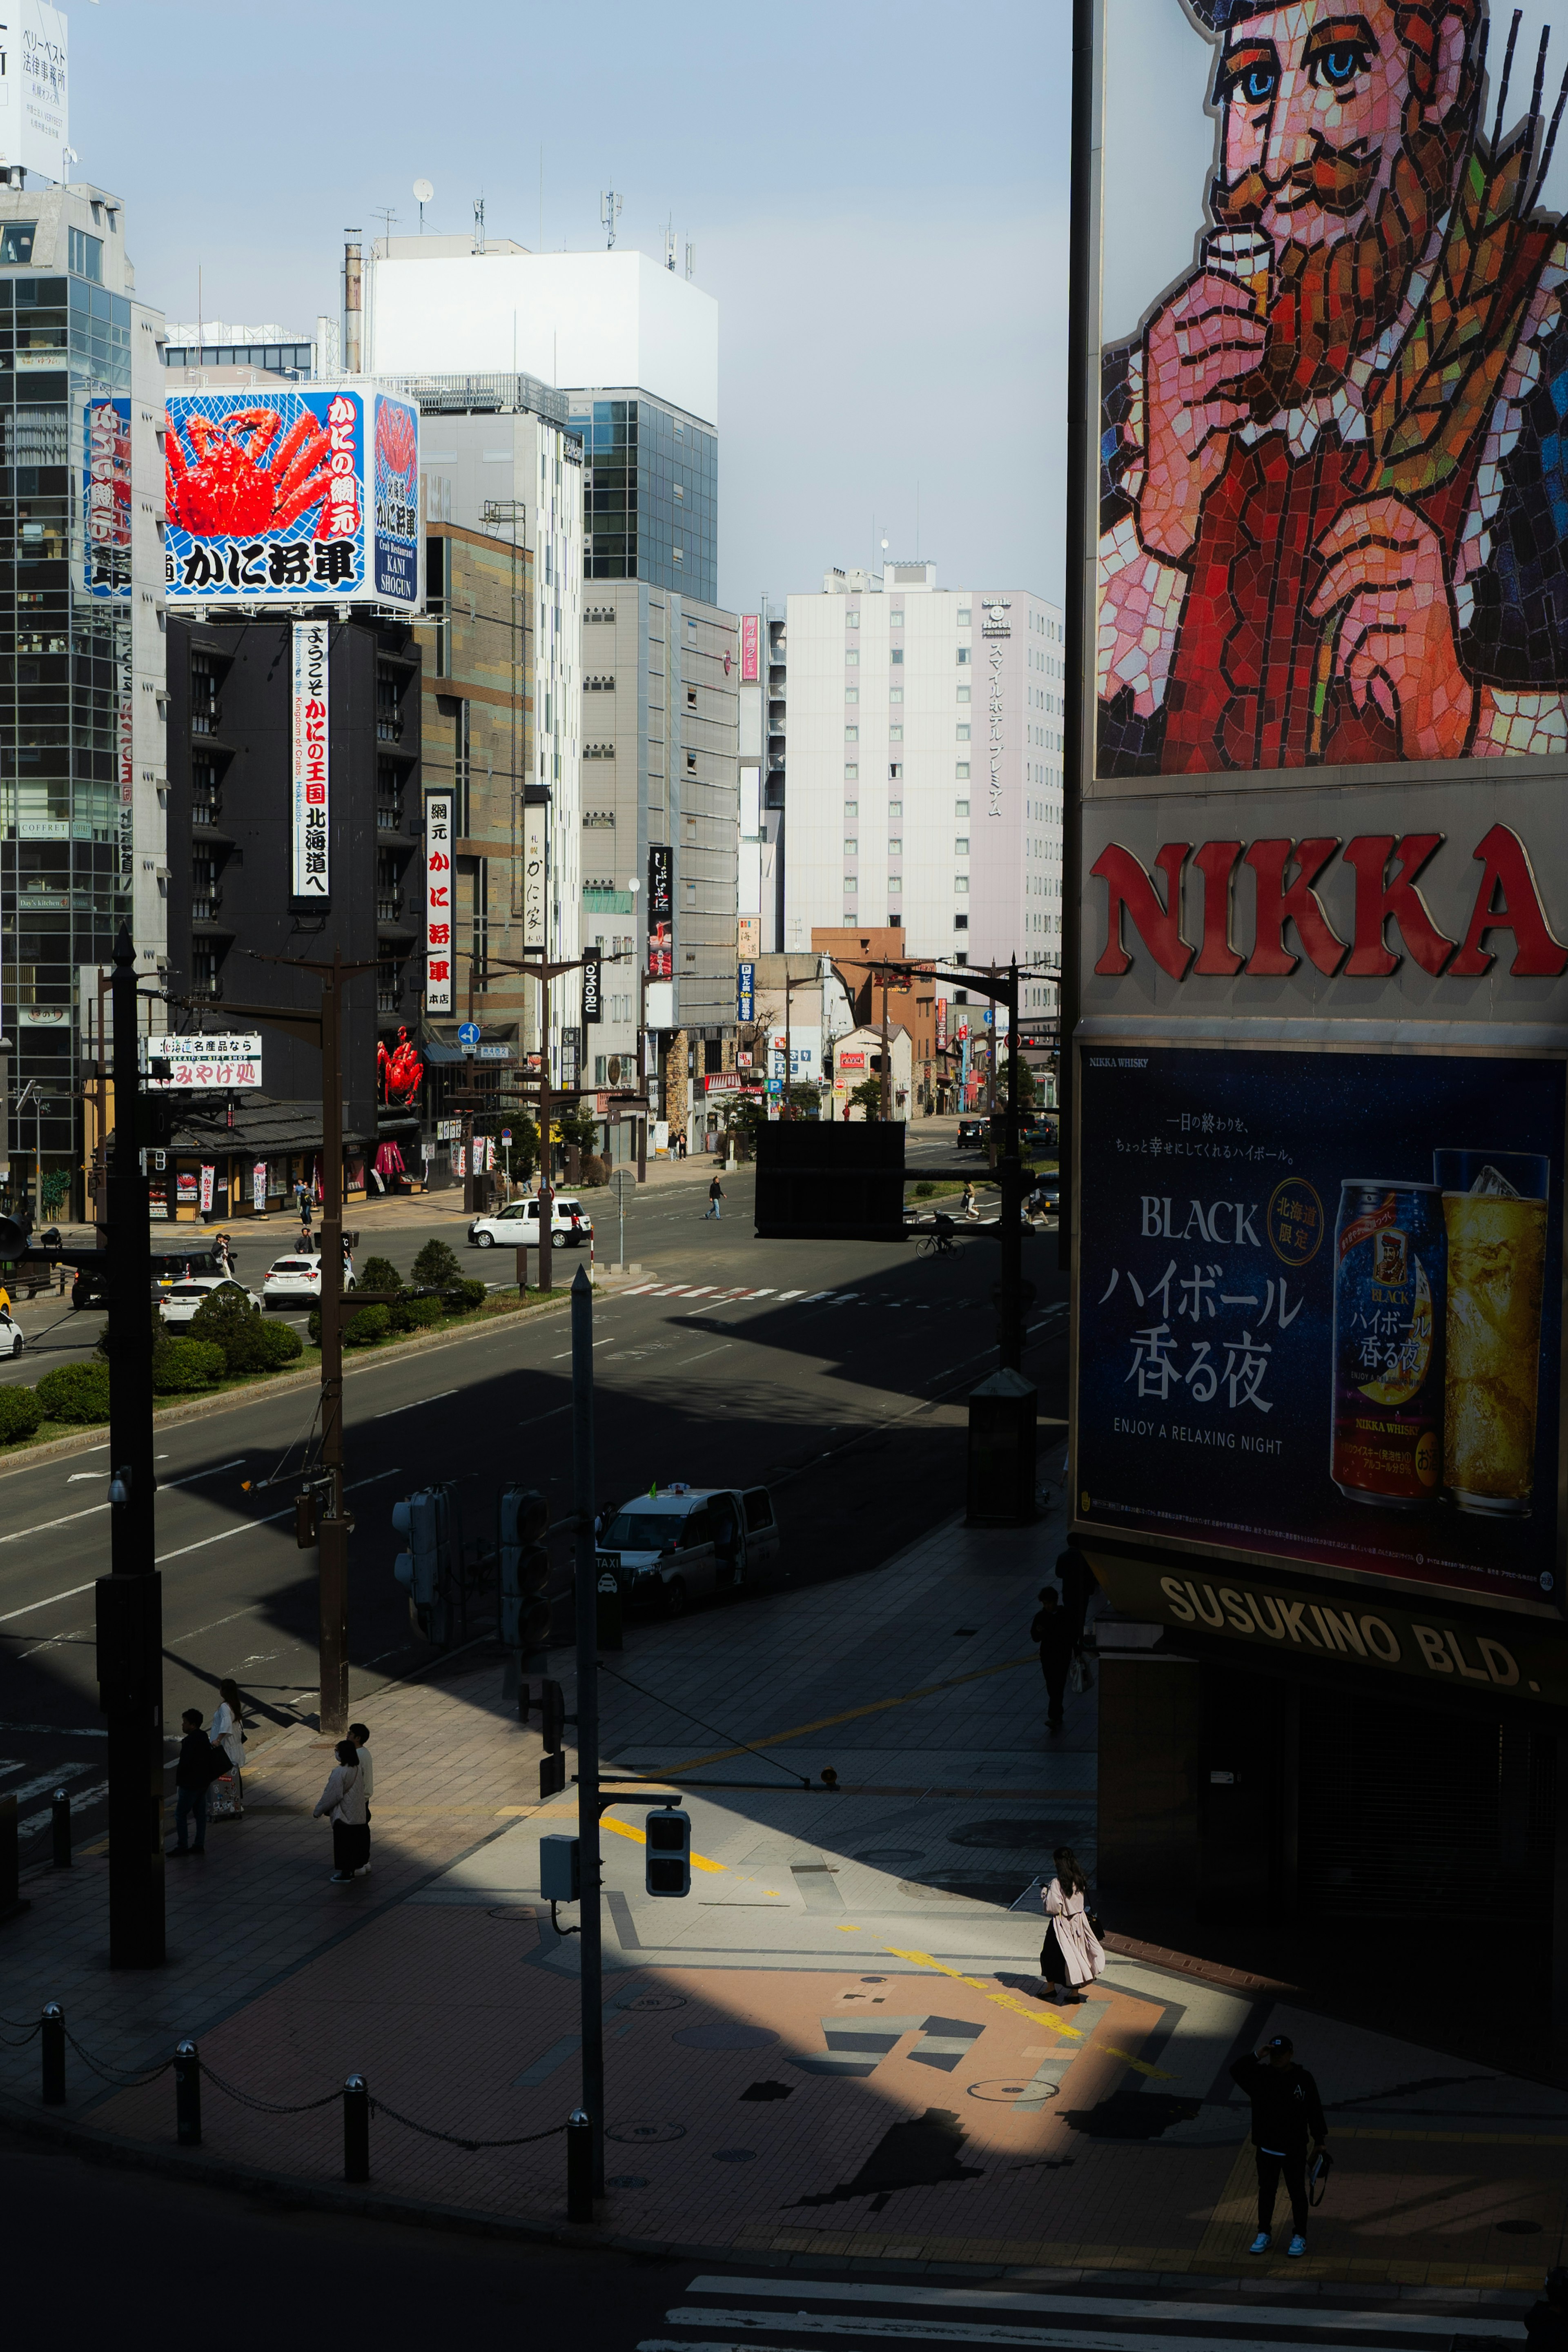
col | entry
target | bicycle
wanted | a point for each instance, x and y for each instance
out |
(935, 1245)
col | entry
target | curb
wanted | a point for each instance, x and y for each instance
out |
(338, 2197)
(418, 1343)
(1183, 1964)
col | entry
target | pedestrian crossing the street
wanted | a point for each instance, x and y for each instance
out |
(35, 1795)
(788, 2313)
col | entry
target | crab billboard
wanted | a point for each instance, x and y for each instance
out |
(281, 496)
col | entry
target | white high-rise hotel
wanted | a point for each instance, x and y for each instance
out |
(923, 782)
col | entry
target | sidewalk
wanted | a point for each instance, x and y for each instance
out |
(834, 2048)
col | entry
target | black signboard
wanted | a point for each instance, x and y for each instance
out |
(660, 883)
(592, 1001)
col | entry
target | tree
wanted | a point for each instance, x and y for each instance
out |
(435, 1266)
(743, 1117)
(867, 1094)
(1028, 1090)
(804, 1099)
(578, 1126)
(524, 1147)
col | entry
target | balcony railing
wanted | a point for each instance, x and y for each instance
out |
(204, 990)
(389, 908)
(205, 812)
(389, 816)
(204, 904)
(205, 717)
(387, 1000)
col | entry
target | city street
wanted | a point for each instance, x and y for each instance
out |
(835, 1375)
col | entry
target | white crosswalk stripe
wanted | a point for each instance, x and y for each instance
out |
(726, 2313)
(59, 1776)
(81, 1799)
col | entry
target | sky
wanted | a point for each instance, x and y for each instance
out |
(877, 197)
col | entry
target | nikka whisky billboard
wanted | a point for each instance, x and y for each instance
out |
(1323, 1004)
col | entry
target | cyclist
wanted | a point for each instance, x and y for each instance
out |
(944, 1229)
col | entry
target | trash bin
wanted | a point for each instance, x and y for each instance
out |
(1001, 1480)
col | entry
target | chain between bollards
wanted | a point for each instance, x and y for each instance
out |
(52, 2047)
(187, 2095)
(356, 2129)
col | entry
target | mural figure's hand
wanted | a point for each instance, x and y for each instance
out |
(1200, 348)
(1393, 641)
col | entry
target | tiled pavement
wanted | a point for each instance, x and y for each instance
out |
(834, 2048)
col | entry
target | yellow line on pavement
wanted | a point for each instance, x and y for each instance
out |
(1035, 2013)
(825, 1722)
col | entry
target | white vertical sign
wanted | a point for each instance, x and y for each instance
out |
(312, 868)
(259, 1188)
(35, 118)
(439, 902)
(535, 876)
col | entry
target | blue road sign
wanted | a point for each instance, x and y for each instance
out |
(468, 1033)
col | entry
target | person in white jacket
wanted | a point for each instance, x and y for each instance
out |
(1072, 1953)
(227, 1794)
(342, 1800)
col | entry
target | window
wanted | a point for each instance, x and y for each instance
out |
(895, 734)
(601, 1075)
(16, 242)
(960, 808)
(851, 849)
(895, 808)
(964, 694)
(851, 694)
(851, 620)
(896, 656)
(963, 734)
(895, 694)
(961, 923)
(851, 773)
(961, 885)
(852, 734)
(851, 656)
(86, 256)
(897, 620)
(692, 764)
(895, 847)
(691, 697)
(960, 772)
(964, 616)
(850, 886)
(895, 881)
(963, 655)
(896, 771)
(961, 846)
(851, 808)
(690, 632)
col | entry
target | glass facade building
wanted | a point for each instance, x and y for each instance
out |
(650, 494)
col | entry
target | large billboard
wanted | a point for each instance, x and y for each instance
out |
(279, 497)
(1320, 1310)
(439, 951)
(1332, 518)
(35, 112)
(309, 804)
(105, 494)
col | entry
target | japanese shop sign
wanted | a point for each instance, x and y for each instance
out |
(259, 1188)
(35, 120)
(221, 1065)
(273, 497)
(593, 995)
(941, 1025)
(439, 902)
(748, 651)
(311, 809)
(746, 992)
(535, 876)
(660, 911)
(106, 496)
(1319, 1313)
(209, 1173)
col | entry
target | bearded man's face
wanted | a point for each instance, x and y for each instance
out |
(1343, 133)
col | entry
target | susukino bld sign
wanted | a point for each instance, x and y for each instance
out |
(1321, 1044)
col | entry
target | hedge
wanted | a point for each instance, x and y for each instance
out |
(183, 1367)
(21, 1413)
(368, 1328)
(75, 1392)
(416, 1313)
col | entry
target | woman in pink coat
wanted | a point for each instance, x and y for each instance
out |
(1072, 1954)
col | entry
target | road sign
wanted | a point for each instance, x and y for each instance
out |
(506, 1135)
(468, 1033)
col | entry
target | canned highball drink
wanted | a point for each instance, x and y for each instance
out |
(1391, 1256)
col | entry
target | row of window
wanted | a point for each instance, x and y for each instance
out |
(896, 734)
(852, 771)
(895, 694)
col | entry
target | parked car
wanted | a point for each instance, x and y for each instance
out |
(10, 1333)
(516, 1225)
(176, 1305)
(972, 1134)
(297, 1281)
(682, 1541)
(90, 1287)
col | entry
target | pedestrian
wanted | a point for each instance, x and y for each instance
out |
(342, 1800)
(1287, 2114)
(229, 1733)
(1052, 1629)
(1546, 2323)
(715, 1195)
(360, 1734)
(967, 1204)
(1072, 1954)
(191, 1782)
(681, 1147)
(1076, 1579)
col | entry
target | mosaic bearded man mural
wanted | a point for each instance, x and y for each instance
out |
(1335, 467)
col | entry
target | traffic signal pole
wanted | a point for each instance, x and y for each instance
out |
(334, 1526)
(587, 1595)
(129, 1600)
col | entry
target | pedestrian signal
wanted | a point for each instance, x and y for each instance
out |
(522, 1516)
(428, 1521)
(668, 1866)
(551, 1716)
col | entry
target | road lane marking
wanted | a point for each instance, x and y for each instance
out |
(31, 1605)
(1037, 2012)
(707, 1351)
(825, 1722)
(417, 1401)
(1082, 2307)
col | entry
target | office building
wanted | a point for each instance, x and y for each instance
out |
(763, 677)
(82, 769)
(921, 746)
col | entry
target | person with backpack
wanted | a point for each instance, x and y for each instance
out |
(715, 1195)
(342, 1800)
(192, 1773)
(1287, 2113)
(1052, 1629)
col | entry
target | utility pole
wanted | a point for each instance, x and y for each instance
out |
(544, 972)
(129, 1600)
(586, 1596)
(887, 1075)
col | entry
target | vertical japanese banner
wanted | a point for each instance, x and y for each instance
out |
(941, 1025)
(310, 860)
(106, 496)
(258, 1187)
(535, 875)
(746, 992)
(660, 911)
(439, 902)
(749, 658)
(208, 1177)
(125, 763)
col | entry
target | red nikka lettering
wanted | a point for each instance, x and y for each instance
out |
(1159, 927)
(1279, 905)
(1379, 899)
(1538, 954)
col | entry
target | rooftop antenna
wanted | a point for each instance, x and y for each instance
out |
(609, 213)
(478, 223)
(690, 257)
(423, 192)
(670, 242)
(385, 212)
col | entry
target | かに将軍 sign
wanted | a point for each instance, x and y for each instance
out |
(439, 902)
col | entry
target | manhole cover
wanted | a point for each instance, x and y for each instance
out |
(657, 2001)
(724, 2037)
(1015, 2094)
(627, 2180)
(512, 1911)
(1519, 2229)
(734, 2156)
(1015, 1833)
(646, 2135)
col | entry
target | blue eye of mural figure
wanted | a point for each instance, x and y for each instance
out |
(1338, 67)
(1257, 83)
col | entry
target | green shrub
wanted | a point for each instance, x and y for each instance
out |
(414, 1313)
(75, 1392)
(594, 1171)
(368, 1328)
(463, 1296)
(380, 1274)
(313, 1325)
(923, 1192)
(184, 1367)
(20, 1414)
(435, 1265)
(254, 1346)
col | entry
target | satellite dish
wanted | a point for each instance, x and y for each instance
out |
(423, 192)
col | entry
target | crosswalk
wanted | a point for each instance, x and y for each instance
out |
(718, 2314)
(69, 1776)
(711, 1295)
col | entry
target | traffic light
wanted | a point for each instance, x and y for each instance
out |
(552, 1705)
(667, 1868)
(522, 1515)
(426, 1519)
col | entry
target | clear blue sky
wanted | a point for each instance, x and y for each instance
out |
(878, 196)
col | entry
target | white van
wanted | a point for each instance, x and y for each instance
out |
(682, 1542)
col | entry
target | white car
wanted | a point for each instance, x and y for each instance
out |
(516, 1225)
(297, 1281)
(683, 1541)
(177, 1305)
(10, 1333)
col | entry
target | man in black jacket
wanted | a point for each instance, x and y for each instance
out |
(1052, 1629)
(1287, 2114)
(192, 1774)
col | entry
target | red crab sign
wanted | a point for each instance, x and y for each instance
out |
(266, 496)
(401, 1072)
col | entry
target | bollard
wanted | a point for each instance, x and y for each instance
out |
(579, 2166)
(60, 1820)
(356, 2129)
(52, 2045)
(187, 2095)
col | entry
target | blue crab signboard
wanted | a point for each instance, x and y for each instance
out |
(289, 497)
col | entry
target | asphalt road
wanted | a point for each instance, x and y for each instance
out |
(845, 1400)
